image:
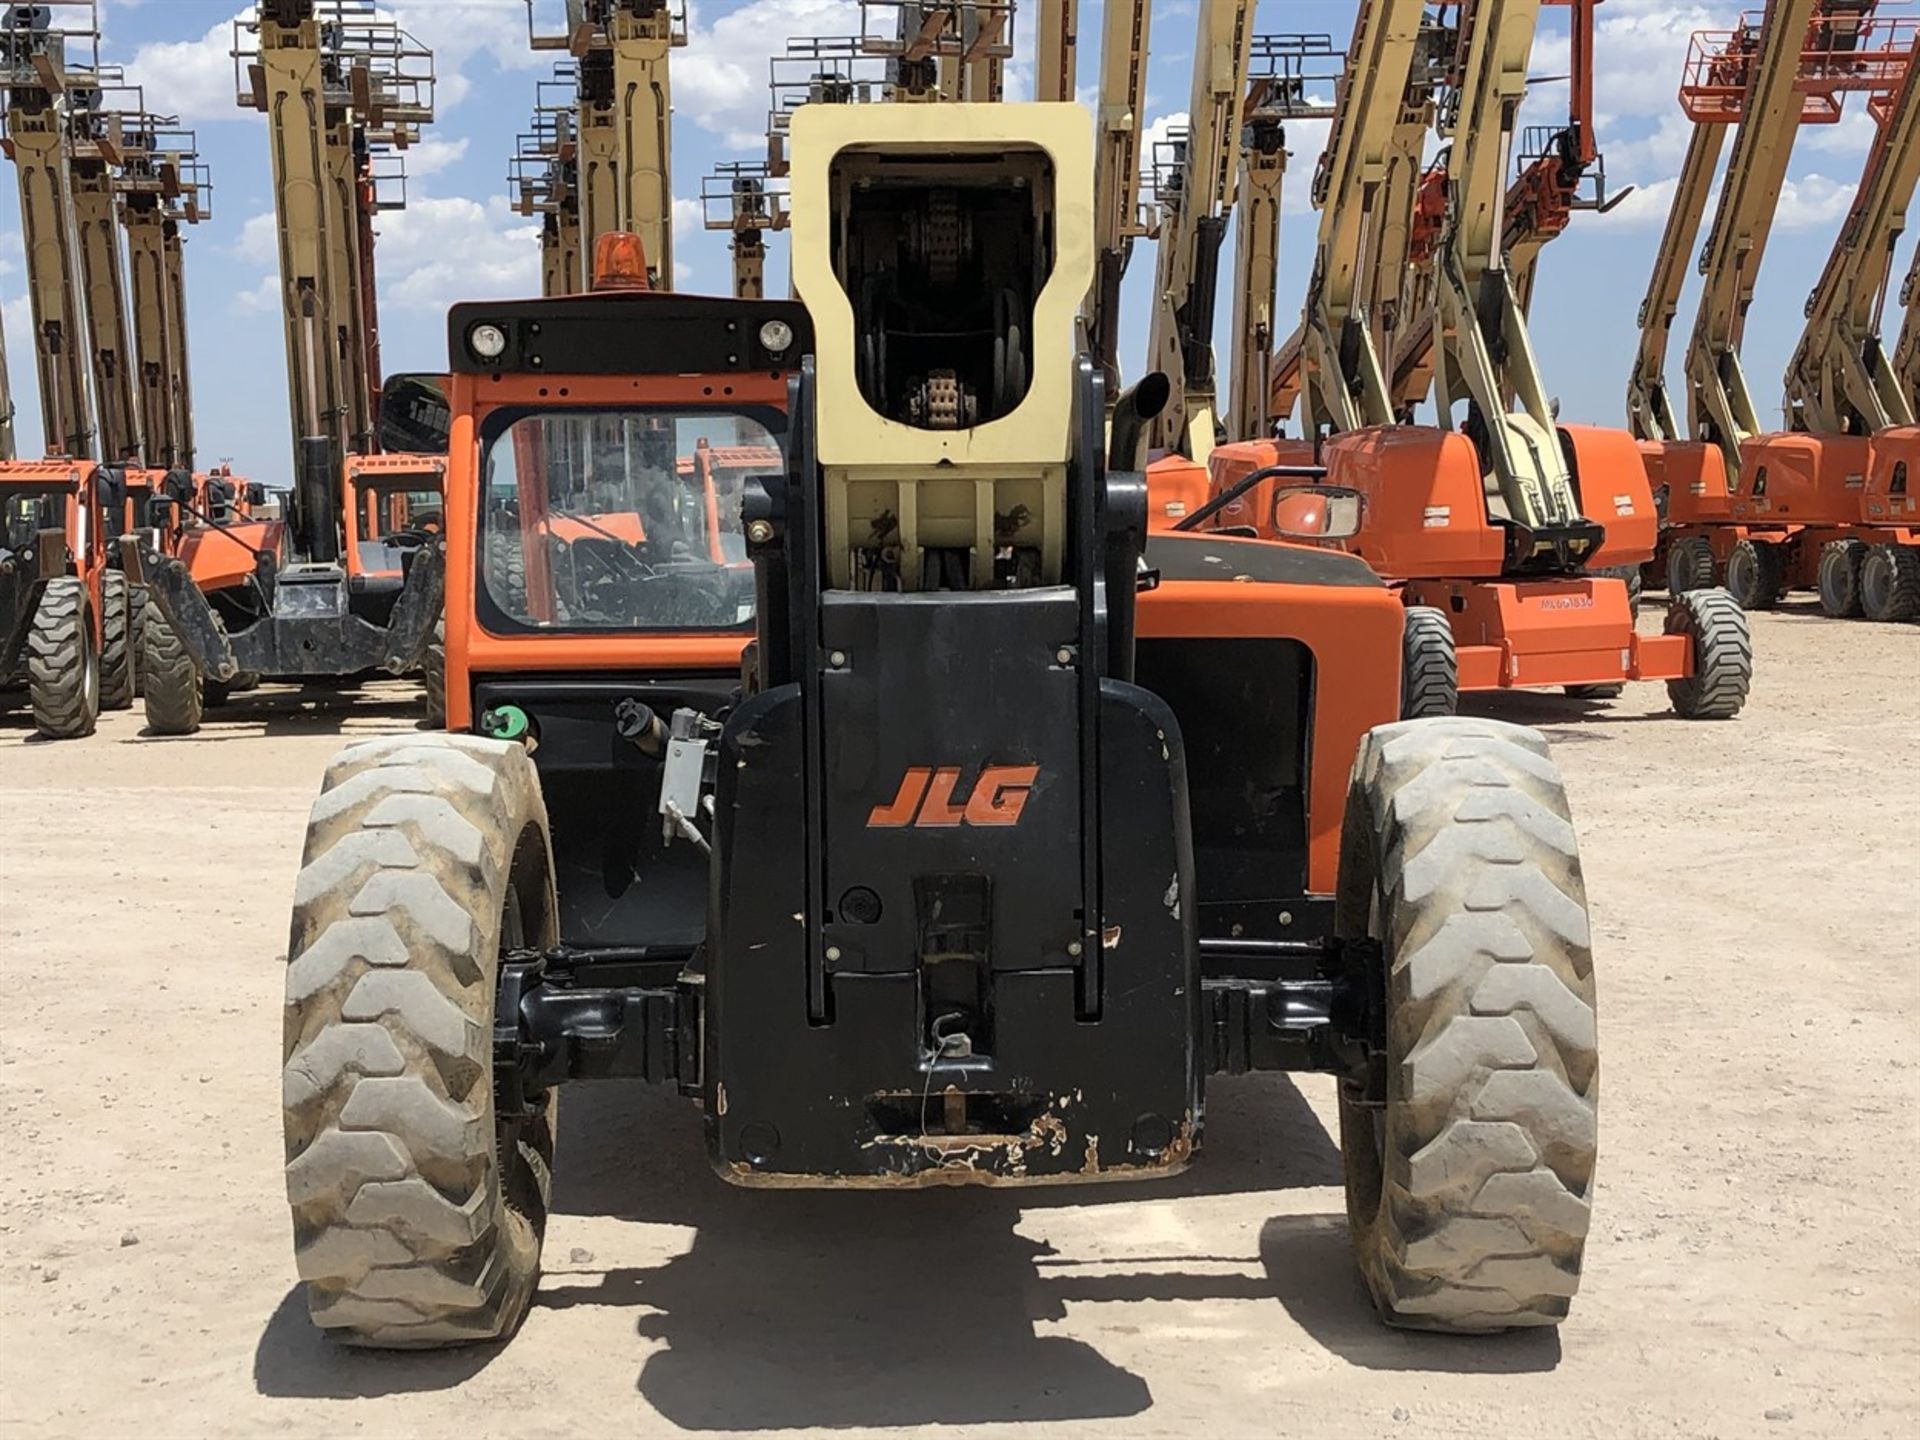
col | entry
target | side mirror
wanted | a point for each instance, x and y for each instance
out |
(1318, 512)
(415, 418)
(256, 494)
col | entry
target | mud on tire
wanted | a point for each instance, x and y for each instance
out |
(1722, 655)
(119, 661)
(169, 680)
(1468, 1192)
(417, 1212)
(63, 665)
(1429, 668)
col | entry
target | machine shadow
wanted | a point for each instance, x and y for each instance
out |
(295, 1360)
(1310, 1265)
(858, 1308)
(284, 712)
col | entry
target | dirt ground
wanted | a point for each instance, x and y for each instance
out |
(1753, 1269)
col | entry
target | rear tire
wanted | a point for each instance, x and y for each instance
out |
(1754, 573)
(118, 659)
(418, 1211)
(1628, 575)
(1722, 655)
(63, 665)
(170, 687)
(1840, 562)
(1469, 1191)
(1429, 669)
(1890, 583)
(433, 676)
(137, 635)
(1690, 565)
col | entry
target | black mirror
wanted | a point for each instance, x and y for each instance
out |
(414, 415)
(256, 494)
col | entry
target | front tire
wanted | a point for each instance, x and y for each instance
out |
(63, 664)
(1469, 1189)
(1722, 655)
(418, 1211)
(1890, 583)
(170, 681)
(118, 659)
(1429, 668)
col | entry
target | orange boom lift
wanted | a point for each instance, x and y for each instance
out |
(1497, 525)
(1822, 504)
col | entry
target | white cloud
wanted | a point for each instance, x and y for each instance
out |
(461, 31)
(193, 79)
(689, 217)
(443, 249)
(720, 78)
(259, 239)
(1851, 135)
(432, 155)
(262, 299)
(1813, 201)
(1645, 208)
(1640, 48)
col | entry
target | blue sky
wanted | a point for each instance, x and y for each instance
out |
(460, 240)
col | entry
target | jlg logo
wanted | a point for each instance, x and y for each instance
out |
(928, 798)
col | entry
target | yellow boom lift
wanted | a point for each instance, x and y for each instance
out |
(163, 187)
(1120, 121)
(1484, 523)
(625, 116)
(1195, 175)
(544, 180)
(1282, 68)
(1782, 511)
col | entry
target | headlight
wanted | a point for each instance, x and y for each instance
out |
(775, 336)
(489, 342)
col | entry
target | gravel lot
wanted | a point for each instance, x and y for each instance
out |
(1753, 1270)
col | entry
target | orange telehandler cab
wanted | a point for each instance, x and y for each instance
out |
(954, 835)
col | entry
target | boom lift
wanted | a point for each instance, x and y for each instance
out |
(9, 446)
(1559, 170)
(941, 49)
(1195, 178)
(624, 126)
(1281, 68)
(1773, 512)
(1482, 527)
(544, 180)
(64, 613)
(884, 936)
(1906, 350)
(351, 582)
(163, 186)
(1119, 121)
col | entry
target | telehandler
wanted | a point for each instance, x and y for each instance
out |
(953, 835)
